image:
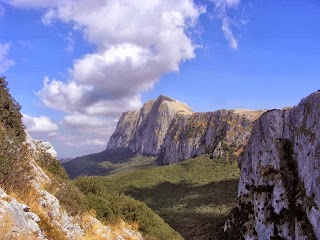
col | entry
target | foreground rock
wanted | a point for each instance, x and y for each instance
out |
(38, 147)
(29, 211)
(279, 193)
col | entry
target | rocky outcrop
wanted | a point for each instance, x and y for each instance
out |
(144, 131)
(279, 193)
(17, 221)
(43, 211)
(37, 146)
(222, 134)
(168, 128)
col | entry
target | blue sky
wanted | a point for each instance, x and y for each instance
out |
(100, 58)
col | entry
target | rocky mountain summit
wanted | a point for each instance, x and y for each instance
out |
(169, 128)
(279, 189)
(144, 131)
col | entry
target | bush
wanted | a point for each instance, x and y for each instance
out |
(11, 129)
(10, 114)
(52, 165)
(112, 207)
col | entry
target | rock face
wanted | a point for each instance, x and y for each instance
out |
(37, 146)
(144, 131)
(168, 128)
(17, 221)
(279, 188)
(222, 134)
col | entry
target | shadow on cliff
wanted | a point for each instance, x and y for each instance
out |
(195, 211)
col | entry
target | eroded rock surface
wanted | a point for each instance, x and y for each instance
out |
(144, 131)
(279, 188)
(222, 134)
(168, 128)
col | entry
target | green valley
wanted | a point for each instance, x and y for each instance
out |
(194, 197)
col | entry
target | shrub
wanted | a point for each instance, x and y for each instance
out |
(10, 114)
(52, 165)
(11, 129)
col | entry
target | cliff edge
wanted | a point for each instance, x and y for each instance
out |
(279, 193)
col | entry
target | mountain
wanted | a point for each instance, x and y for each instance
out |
(144, 131)
(168, 128)
(279, 193)
(221, 134)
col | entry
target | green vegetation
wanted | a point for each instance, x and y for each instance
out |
(194, 197)
(11, 129)
(52, 165)
(84, 195)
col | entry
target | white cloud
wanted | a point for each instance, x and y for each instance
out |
(228, 34)
(5, 63)
(221, 8)
(98, 142)
(39, 124)
(137, 42)
(140, 42)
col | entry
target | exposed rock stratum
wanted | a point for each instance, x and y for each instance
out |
(169, 128)
(279, 188)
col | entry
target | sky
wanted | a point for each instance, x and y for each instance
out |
(75, 66)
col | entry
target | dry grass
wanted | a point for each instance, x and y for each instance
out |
(93, 228)
(30, 197)
(7, 224)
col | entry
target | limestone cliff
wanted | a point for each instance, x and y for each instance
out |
(222, 134)
(168, 128)
(279, 188)
(144, 131)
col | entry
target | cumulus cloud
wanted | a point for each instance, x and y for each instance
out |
(39, 124)
(5, 62)
(90, 124)
(137, 42)
(221, 8)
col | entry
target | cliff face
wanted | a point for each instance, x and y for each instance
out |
(279, 193)
(222, 134)
(168, 128)
(144, 131)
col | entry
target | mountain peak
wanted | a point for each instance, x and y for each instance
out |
(173, 104)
